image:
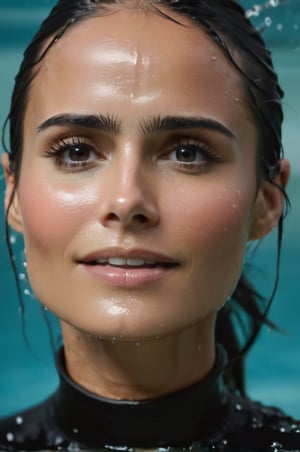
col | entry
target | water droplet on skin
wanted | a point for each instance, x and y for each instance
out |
(9, 437)
(19, 420)
(214, 58)
(236, 99)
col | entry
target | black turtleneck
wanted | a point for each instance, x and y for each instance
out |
(204, 415)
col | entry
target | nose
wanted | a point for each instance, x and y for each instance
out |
(130, 199)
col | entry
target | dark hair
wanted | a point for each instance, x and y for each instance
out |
(224, 21)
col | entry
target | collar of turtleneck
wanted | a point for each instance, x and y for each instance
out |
(177, 419)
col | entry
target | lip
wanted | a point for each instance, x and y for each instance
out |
(127, 254)
(125, 276)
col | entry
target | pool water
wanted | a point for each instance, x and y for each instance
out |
(274, 363)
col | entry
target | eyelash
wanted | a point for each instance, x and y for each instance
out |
(57, 151)
(208, 154)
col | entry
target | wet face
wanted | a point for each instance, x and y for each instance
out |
(138, 184)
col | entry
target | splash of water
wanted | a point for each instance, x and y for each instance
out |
(257, 9)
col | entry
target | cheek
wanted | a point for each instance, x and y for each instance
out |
(51, 216)
(213, 215)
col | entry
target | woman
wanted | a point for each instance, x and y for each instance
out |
(145, 154)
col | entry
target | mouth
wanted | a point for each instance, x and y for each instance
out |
(128, 269)
(130, 263)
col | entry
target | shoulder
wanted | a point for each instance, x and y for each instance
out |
(253, 426)
(31, 429)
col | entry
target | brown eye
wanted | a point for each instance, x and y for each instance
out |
(187, 153)
(78, 152)
(74, 154)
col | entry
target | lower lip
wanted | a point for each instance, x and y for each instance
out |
(127, 277)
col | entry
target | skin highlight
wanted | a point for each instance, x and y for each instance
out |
(133, 196)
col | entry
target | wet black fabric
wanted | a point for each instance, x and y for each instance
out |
(203, 417)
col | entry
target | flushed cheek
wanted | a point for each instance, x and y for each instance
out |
(213, 214)
(60, 212)
(213, 229)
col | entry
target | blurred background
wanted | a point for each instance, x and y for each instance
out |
(273, 366)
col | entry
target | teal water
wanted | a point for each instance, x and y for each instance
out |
(274, 364)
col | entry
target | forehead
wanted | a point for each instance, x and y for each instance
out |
(142, 55)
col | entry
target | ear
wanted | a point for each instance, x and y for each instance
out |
(269, 203)
(11, 199)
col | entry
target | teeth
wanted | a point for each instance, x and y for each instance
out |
(120, 262)
(117, 261)
(135, 262)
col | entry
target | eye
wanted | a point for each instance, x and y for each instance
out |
(75, 153)
(187, 153)
(190, 155)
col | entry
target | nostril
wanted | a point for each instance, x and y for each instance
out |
(140, 218)
(112, 217)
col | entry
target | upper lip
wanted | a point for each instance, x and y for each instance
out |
(146, 255)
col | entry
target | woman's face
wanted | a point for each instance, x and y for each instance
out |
(138, 180)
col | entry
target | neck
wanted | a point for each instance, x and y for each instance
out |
(131, 370)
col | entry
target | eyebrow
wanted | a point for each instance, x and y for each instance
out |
(169, 123)
(155, 124)
(106, 123)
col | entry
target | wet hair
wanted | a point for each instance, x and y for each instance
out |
(224, 21)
